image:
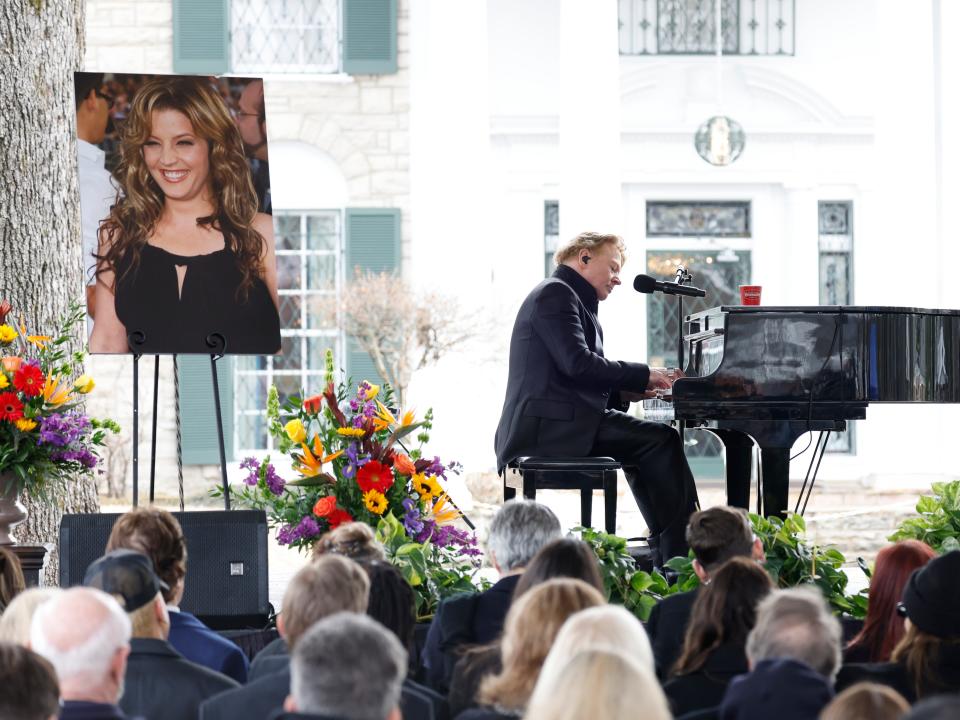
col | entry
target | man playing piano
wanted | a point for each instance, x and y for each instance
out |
(564, 398)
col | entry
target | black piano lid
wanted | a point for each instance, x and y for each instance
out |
(822, 310)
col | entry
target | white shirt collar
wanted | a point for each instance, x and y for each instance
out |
(90, 152)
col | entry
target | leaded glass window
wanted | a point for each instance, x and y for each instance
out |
(836, 279)
(309, 275)
(551, 234)
(281, 36)
(667, 218)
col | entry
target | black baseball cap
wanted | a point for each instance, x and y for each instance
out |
(930, 596)
(127, 575)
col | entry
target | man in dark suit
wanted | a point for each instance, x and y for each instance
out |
(715, 535)
(564, 398)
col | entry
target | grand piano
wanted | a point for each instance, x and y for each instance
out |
(767, 375)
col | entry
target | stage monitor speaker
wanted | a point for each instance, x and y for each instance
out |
(226, 584)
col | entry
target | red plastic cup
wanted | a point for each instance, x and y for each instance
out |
(750, 294)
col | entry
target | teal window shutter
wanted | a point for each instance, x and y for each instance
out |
(373, 245)
(369, 37)
(198, 418)
(201, 36)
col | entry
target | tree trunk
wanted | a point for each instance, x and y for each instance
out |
(40, 270)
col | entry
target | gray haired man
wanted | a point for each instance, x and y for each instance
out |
(332, 667)
(517, 532)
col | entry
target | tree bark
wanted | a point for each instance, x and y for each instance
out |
(40, 265)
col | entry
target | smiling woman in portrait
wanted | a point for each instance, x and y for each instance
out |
(186, 264)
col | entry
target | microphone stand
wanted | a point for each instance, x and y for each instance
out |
(682, 277)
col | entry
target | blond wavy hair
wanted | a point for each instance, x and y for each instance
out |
(533, 622)
(140, 200)
(589, 241)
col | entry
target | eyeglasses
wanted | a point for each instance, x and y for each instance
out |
(109, 98)
(901, 609)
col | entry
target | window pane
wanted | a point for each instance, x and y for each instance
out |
(289, 357)
(288, 271)
(321, 272)
(251, 431)
(322, 232)
(290, 317)
(287, 386)
(288, 231)
(321, 311)
(317, 348)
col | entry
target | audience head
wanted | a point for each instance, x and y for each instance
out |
(602, 683)
(17, 618)
(563, 557)
(354, 540)
(29, 683)
(719, 533)
(933, 623)
(85, 635)
(156, 534)
(784, 689)
(725, 611)
(129, 577)
(796, 624)
(391, 601)
(329, 584)
(528, 634)
(610, 627)
(518, 531)
(11, 577)
(92, 106)
(866, 701)
(347, 666)
(883, 628)
(939, 707)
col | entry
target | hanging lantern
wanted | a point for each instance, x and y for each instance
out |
(720, 140)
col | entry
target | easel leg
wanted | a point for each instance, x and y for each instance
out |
(153, 434)
(223, 452)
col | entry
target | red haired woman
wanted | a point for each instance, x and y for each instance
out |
(883, 628)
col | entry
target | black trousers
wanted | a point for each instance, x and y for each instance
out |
(658, 474)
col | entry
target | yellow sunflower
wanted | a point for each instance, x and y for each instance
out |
(375, 501)
(422, 486)
(25, 424)
(351, 432)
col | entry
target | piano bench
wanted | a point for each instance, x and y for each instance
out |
(585, 474)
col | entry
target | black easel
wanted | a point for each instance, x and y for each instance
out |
(217, 344)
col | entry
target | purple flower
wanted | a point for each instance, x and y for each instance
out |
(412, 520)
(308, 527)
(253, 465)
(62, 429)
(354, 460)
(285, 535)
(304, 530)
(80, 455)
(275, 483)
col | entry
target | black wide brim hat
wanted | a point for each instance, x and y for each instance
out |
(930, 596)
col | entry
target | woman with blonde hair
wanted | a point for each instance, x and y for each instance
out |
(16, 619)
(608, 626)
(186, 263)
(528, 633)
(866, 701)
(598, 683)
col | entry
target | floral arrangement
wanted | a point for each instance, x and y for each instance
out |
(45, 437)
(348, 450)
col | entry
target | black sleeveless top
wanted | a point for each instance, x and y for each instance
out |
(148, 301)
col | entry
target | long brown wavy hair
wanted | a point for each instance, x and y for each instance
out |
(724, 612)
(921, 654)
(140, 201)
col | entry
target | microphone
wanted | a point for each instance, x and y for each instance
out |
(647, 284)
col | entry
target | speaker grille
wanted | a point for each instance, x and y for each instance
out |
(226, 563)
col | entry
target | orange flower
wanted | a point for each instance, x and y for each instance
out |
(325, 506)
(54, 393)
(403, 464)
(11, 363)
(312, 404)
(310, 463)
(442, 515)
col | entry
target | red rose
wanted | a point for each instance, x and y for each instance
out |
(325, 506)
(375, 476)
(312, 404)
(338, 517)
(28, 380)
(11, 409)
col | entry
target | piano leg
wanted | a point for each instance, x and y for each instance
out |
(738, 465)
(775, 468)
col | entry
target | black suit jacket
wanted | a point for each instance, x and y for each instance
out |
(559, 382)
(704, 688)
(666, 628)
(160, 683)
(257, 700)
